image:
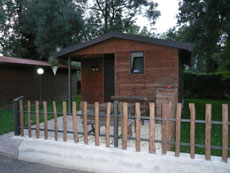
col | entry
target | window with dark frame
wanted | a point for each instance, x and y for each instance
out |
(137, 63)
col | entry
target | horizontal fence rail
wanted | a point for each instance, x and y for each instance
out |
(120, 113)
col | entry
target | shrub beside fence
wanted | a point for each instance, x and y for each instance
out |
(207, 85)
(166, 110)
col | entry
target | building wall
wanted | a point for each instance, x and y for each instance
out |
(161, 68)
(18, 81)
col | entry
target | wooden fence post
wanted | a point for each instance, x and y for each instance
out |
(64, 121)
(208, 114)
(178, 128)
(75, 136)
(45, 120)
(21, 117)
(225, 132)
(97, 127)
(108, 124)
(192, 130)
(37, 120)
(28, 119)
(138, 128)
(55, 121)
(125, 126)
(85, 123)
(151, 128)
(164, 128)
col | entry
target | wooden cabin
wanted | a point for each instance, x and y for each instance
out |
(19, 78)
(129, 65)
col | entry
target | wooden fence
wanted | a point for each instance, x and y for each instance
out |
(125, 116)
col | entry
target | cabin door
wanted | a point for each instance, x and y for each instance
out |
(108, 77)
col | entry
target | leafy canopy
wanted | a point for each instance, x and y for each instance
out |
(207, 25)
(116, 15)
(36, 29)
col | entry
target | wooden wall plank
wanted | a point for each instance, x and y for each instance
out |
(192, 130)
(152, 128)
(108, 124)
(164, 128)
(178, 129)
(55, 121)
(138, 127)
(45, 120)
(208, 115)
(12, 86)
(64, 121)
(37, 119)
(21, 113)
(29, 119)
(97, 127)
(85, 122)
(75, 136)
(225, 132)
(125, 126)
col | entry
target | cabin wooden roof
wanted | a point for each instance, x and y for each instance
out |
(169, 43)
(28, 62)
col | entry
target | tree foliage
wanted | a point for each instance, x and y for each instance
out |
(36, 29)
(207, 25)
(117, 15)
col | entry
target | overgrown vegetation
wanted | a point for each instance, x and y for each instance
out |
(207, 85)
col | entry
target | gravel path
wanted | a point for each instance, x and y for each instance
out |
(131, 143)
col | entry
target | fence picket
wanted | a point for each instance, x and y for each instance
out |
(108, 124)
(28, 119)
(64, 121)
(138, 128)
(164, 128)
(152, 128)
(85, 123)
(225, 132)
(178, 128)
(208, 114)
(21, 117)
(55, 121)
(192, 130)
(97, 127)
(125, 126)
(45, 120)
(75, 136)
(37, 119)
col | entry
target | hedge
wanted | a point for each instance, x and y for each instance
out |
(207, 85)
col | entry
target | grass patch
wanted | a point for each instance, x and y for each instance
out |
(7, 115)
(216, 132)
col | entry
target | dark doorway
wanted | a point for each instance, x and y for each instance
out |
(108, 77)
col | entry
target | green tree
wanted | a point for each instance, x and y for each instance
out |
(117, 15)
(207, 25)
(36, 29)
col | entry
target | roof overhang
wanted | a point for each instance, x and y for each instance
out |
(169, 43)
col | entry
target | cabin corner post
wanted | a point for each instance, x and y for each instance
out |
(70, 84)
(115, 121)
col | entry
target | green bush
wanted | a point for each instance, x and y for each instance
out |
(207, 85)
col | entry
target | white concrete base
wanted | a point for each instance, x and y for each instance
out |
(102, 159)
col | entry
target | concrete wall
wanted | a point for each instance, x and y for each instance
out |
(101, 159)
